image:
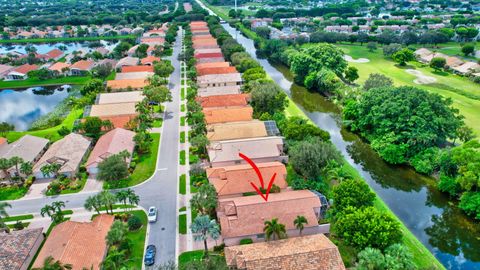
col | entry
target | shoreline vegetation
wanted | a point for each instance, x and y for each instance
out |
(63, 39)
(34, 82)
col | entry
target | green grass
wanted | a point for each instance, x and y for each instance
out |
(464, 93)
(183, 184)
(145, 167)
(16, 218)
(111, 76)
(68, 39)
(158, 122)
(30, 82)
(118, 206)
(422, 257)
(182, 157)
(67, 212)
(182, 94)
(182, 121)
(183, 209)
(49, 133)
(182, 137)
(193, 188)
(25, 225)
(449, 48)
(137, 238)
(182, 224)
(189, 256)
(193, 213)
(12, 193)
(182, 107)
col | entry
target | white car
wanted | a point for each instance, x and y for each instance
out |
(152, 214)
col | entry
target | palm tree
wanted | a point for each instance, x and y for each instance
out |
(274, 229)
(4, 214)
(93, 202)
(117, 233)
(5, 164)
(299, 223)
(122, 196)
(26, 168)
(133, 198)
(115, 260)
(50, 264)
(58, 205)
(47, 210)
(125, 155)
(108, 200)
(203, 227)
(16, 161)
(46, 170)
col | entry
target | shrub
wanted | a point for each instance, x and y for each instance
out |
(354, 193)
(219, 248)
(134, 223)
(18, 226)
(246, 241)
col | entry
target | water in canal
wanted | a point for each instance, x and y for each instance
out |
(22, 107)
(451, 236)
(46, 47)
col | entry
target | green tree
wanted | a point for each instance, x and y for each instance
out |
(93, 126)
(116, 260)
(93, 202)
(163, 69)
(403, 56)
(117, 233)
(205, 200)
(5, 164)
(367, 227)
(299, 223)
(16, 161)
(376, 80)
(50, 264)
(26, 168)
(143, 141)
(297, 129)
(200, 142)
(122, 196)
(132, 198)
(372, 46)
(470, 203)
(274, 230)
(267, 97)
(352, 193)
(5, 128)
(92, 86)
(398, 257)
(3, 215)
(468, 49)
(438, 63)
(145, 115)
(204, 227)
(351, 74)
(108, 200)
(112, 168)
(371, 259)
(157, 94)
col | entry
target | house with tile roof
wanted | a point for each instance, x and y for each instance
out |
(467, 68)
(260, 149)
(212, 65)
(69, 152)
(216, 71)
(296, 253)
(136, 68)
(224, 100)
(54, 54)
(236, 130)
(29, 148)
(127, 61)
(18, 248)
(208, 55)
(227, 114)
(4, 70)
(59, 68)
(155, 40)
(209, 45)
(111, 143)
(216, 80)
(210, 60)
(233, 181)
(133, 75)
(218, 91)
(20, 73)
(150, 60)
(81, 244)
(244, 217)
(81, 67)
(119, 97)
(117, 113)
(132, 84)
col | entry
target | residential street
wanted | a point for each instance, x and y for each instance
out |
(159, 191)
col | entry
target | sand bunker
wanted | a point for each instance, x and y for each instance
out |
(359, 60)
(421, 78)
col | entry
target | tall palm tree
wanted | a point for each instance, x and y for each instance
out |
(47, 210)
(122, 196)
(93, 203)
(58, 205)
(299, 223)
(50, 264)
(26, 168)
(4, 214)
(108, 200)
(125, 155)
(116, 234)
(203, 227)
(5, 164)
(133, 198)
(274, 230)
(46, 170)
(115, 260)
(16, 161)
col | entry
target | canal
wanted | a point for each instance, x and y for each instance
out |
(451, 236)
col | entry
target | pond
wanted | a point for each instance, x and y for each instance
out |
(46, 47)
(21, 107)
(450, 235)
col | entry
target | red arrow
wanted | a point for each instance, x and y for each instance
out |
(260, 177)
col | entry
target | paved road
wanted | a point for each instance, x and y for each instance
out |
(159, 191)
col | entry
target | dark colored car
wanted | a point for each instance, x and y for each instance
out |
(150, 255)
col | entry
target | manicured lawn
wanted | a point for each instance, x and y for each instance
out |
(145, 167)
(30, 82)
(111, 76)
(12, 193)
(193, 188)
(15, 218)
(182, 157)
(182, 137)
(189, 256)
(137, 238)
(182, 94)
(183, 184)
(183, 209)
(49, 133)
(182, 107)
(158, 122)
(69, 39)
(449, 48)
(12, 226)
(182, 121)
(464, 93)
(182, 224)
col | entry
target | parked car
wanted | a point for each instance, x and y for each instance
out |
(152, 214)
(150, 255)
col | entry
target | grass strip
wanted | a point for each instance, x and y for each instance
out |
(182, 157)
(182, 224)
(183, 184)
(16, 218)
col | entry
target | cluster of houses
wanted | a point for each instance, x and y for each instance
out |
(232, 131)
(69, 31)
(455, 64)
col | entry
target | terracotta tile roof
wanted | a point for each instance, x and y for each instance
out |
(453, 61)
(212, 65)
(5, 69)
(119, 121)
(207, 45)
(113, 109)
(83, 65)
(204, 37)
(218, 91)
(263, 149)
(219, 78)
(208, 55)
(124, 84)
(210, 60)
(243, 216)
(208, 50)
(55, 53)
(2, 140)
(133, 75)
(126, 69)
(296, 253)
(111, 143)
(59, 66)
(198, 23)
(204, 41)
(24, 69)
(227, 114)
(224, 100)
(18, 247)
(152, 40)
(120, 97)
(81, 244)
(216, 70)
(235, 180)
(236, 130)
(149, 60)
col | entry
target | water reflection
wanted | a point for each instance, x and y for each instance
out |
(46, 47)
(22, 107)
